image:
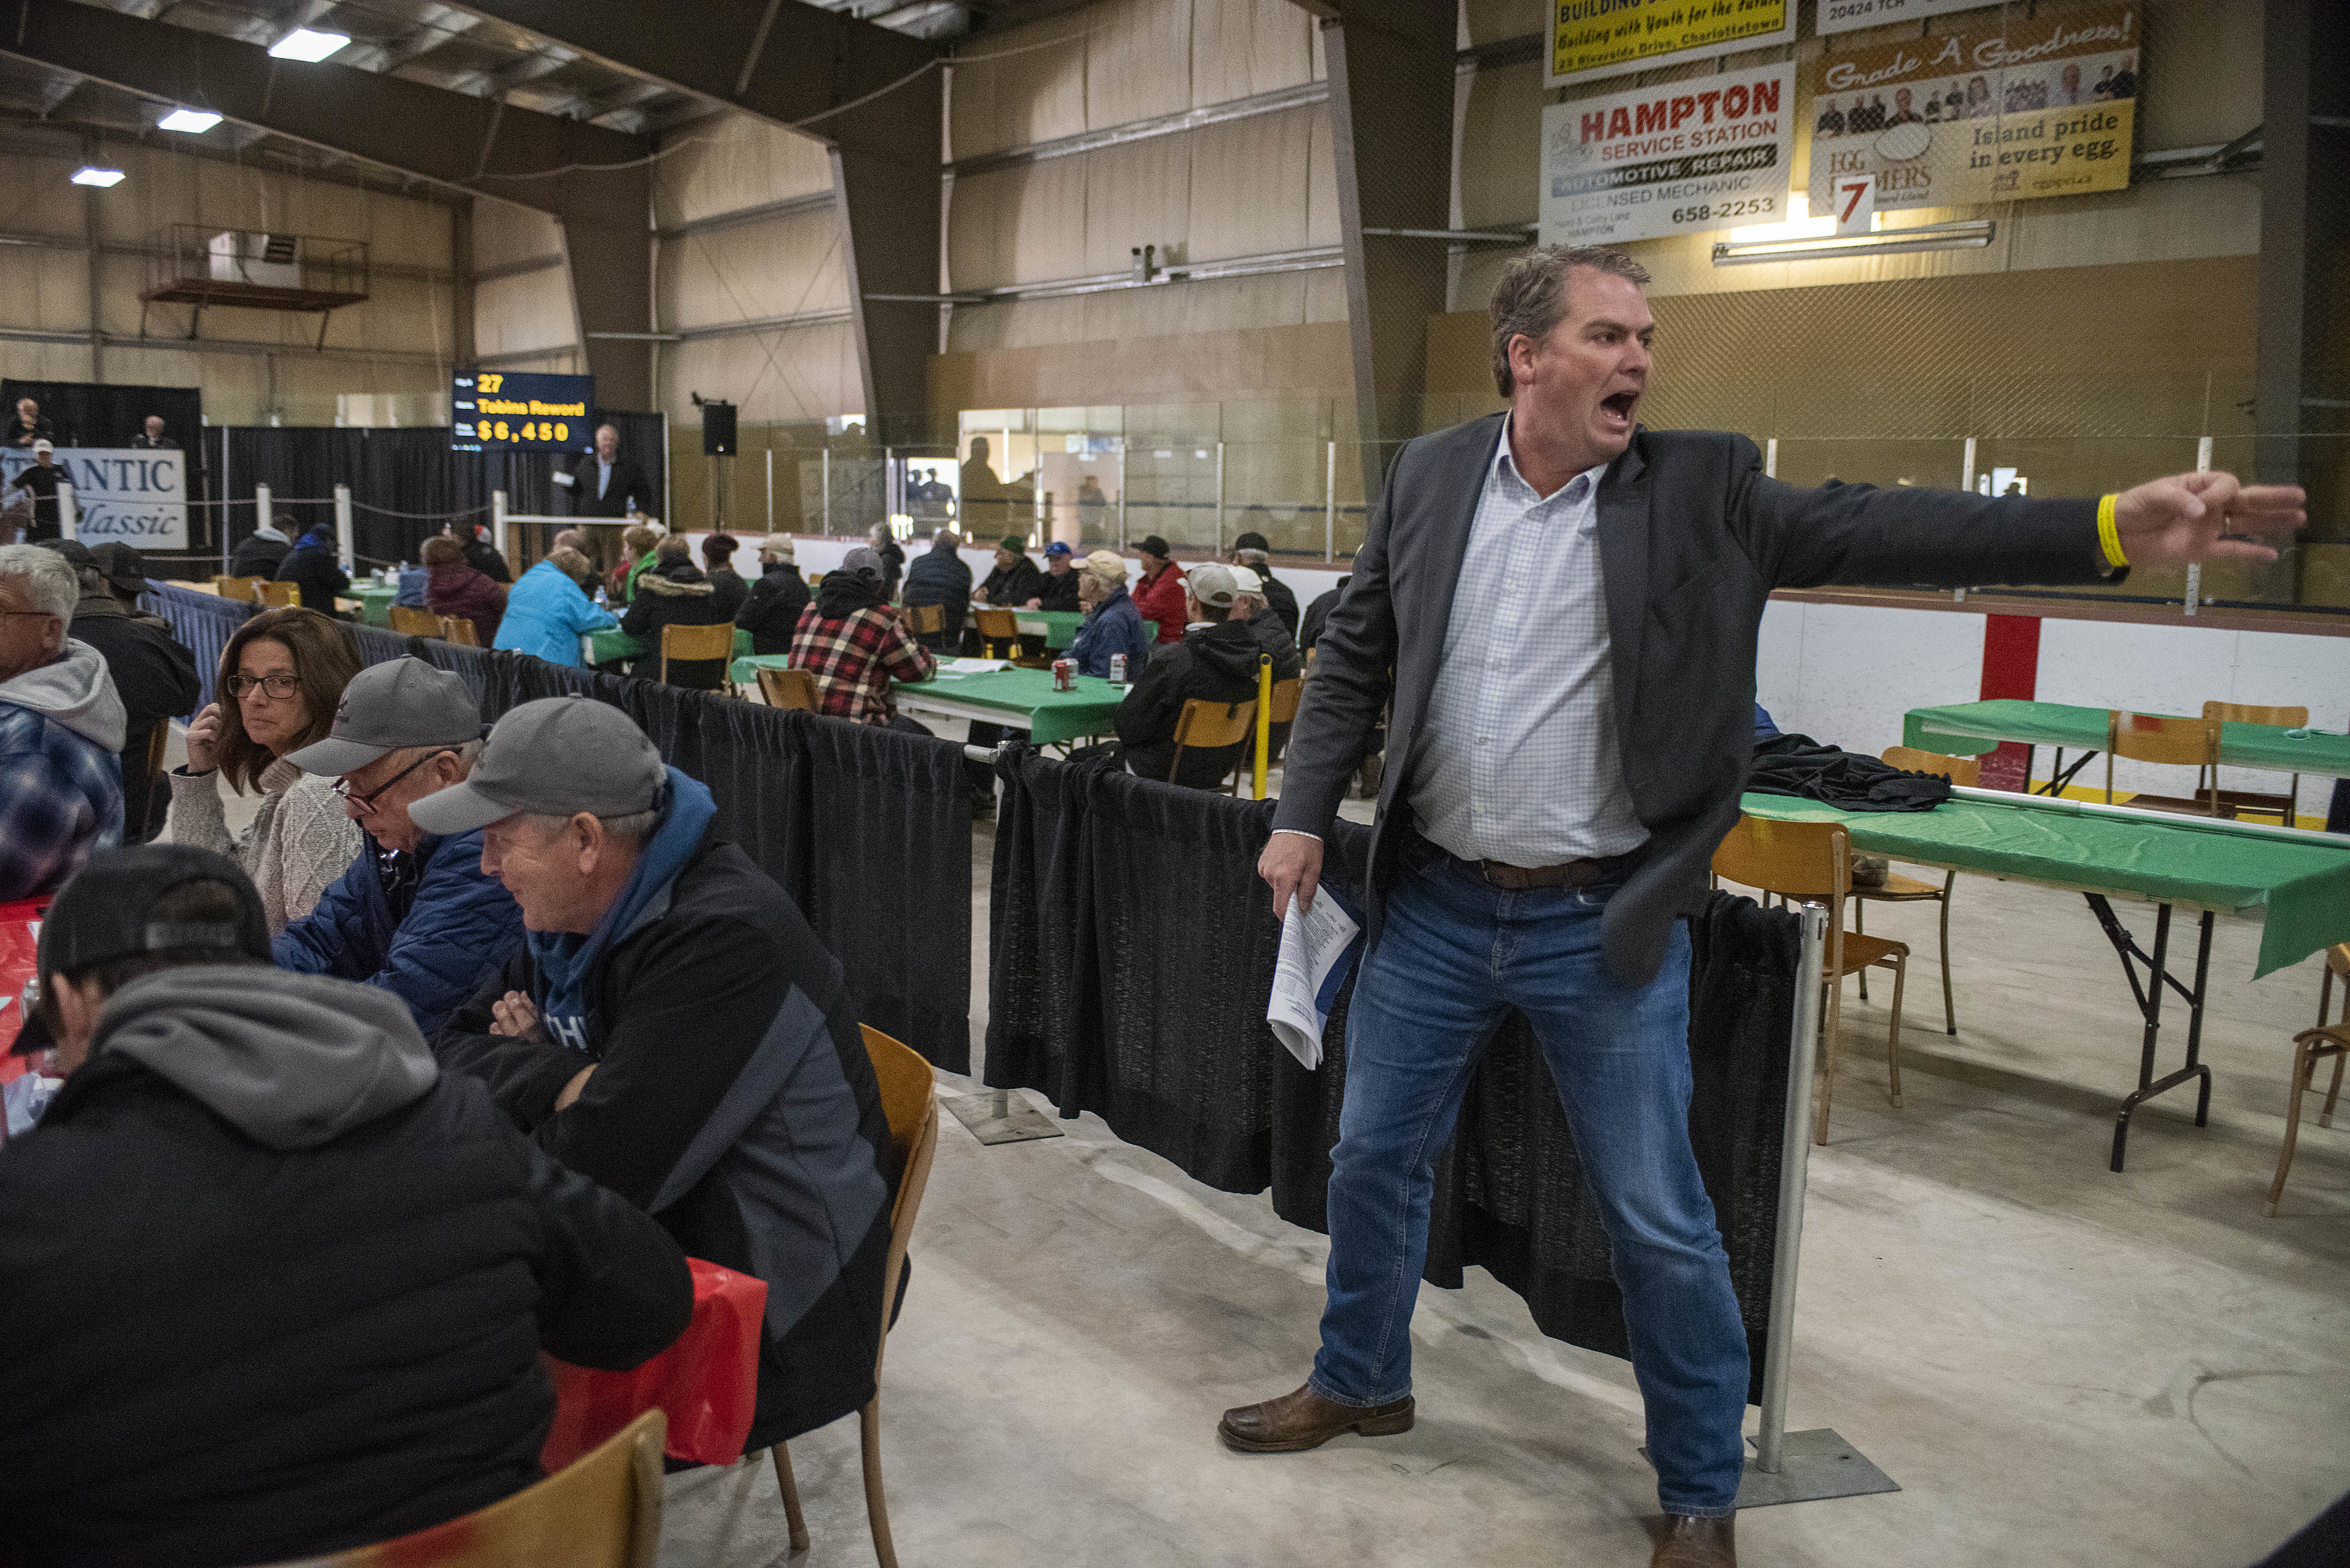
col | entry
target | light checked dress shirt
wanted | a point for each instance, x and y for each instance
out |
(1518, 759)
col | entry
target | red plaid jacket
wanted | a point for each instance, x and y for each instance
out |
(854, 661)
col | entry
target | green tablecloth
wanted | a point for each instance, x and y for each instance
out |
(1061, 626)
(375, 603)
(607, 647)
(1019, 696)
(2304, 882)
(1969, 729)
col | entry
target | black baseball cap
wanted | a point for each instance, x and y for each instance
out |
(123, 566)
(103, 914)
(1155, 546)
(73, 550)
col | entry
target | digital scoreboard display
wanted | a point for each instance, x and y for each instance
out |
(490, 411)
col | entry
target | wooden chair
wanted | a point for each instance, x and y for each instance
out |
(2182, 742)
(601, 1511)
(1210, 726)
(460, 629)
(688, 643)
(2310, 1047)
(2285, 808)
(910, 1102)
(277, 596)
(1813, 860)
(926, 620)
(411, 622)
(789, 689)
(1900, 890)
(244, 590)
(1286, 695)
(998, 626)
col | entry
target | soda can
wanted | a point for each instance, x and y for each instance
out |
(1117, 669)
(1065, 675)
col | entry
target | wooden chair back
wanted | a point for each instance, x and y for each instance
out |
(2158, 738)
(410, 622)
(1287, 694)
(910, 1101)
(244, 590)
(460, 629)
(2252, 714)
(1966, 772)
(277, 596)
(685, 643)
(926, 620)
(155, 745)
(1810, 860)
(601, 1511)
(789, 689)
(1211, 726)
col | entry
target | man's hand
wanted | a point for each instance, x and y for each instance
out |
(2193, 517)
(1291, 864)
(514, 1015)
(571, 1090)
(203, 740)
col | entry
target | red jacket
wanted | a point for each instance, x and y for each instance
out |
(1161, 599)
(458, 590)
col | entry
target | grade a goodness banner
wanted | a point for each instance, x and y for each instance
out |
(1705, 153)
(2040, 106)
(1592, 38)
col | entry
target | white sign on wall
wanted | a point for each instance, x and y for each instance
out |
(1844, 15)
(122, 495)
(1708, 152)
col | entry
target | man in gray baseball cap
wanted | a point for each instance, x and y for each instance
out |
(671, 1028)
(415, 913)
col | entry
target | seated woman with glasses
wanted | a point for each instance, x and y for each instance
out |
(281, 679)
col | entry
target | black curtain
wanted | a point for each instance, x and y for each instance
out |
(1131, 954)
(204, 623)
(87, 413)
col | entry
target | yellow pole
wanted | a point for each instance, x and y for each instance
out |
(1264, 718)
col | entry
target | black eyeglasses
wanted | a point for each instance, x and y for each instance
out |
(281, 686)
(366, 803)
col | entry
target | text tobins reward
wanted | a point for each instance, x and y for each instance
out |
(121, 496)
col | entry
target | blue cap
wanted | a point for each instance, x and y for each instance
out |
(1056, 548)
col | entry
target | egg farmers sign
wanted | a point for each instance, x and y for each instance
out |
(2035, 108)
(1707, 152)
(122, 497)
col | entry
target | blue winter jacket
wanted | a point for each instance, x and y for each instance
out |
(546, 615)
(460, 928)
(1113, 625)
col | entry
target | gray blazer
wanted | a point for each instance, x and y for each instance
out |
(1692, 538)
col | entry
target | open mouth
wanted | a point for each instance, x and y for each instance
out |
(1619, 409)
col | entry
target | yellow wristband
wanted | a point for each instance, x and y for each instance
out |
(2107, 535)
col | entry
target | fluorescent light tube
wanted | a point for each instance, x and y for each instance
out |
(304, 44)
(91, 175)
(194, 121)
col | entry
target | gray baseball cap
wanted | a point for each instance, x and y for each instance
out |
(405, 703)
(555, 757)
(1215, 585)
(863, 561)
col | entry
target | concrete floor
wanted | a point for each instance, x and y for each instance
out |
(2060, 1366)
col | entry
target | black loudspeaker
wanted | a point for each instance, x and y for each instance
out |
(717, 430)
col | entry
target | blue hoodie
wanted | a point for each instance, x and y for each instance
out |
(546, 613)
(566, 959)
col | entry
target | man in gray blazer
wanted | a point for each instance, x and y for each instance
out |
(1562, 607)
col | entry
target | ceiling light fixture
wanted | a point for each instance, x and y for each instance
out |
(1971, 234)
(194, 121)
(89, 174)
(305, 44)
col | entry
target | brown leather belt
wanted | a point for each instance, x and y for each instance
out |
(1573, 874)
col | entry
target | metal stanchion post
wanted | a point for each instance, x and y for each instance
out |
(1330, 503)
(1798, 1467)
(995, 1116)
(1220, 500)
(345, 546)
(498, 520)
(264, 508)
(69, 511)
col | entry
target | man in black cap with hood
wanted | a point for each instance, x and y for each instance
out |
(280, 1283)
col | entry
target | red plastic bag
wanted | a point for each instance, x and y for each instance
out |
(708, 1382)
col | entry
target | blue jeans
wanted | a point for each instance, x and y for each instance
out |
(1453, 954)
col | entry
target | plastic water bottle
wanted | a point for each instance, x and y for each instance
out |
(1117, 669)
(600, 602)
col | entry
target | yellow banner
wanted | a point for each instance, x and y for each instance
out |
(1605, 37)
(2042, 108)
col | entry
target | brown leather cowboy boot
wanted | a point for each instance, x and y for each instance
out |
(1304, 1419)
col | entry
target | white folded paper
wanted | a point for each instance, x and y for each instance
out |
(1318, 949)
